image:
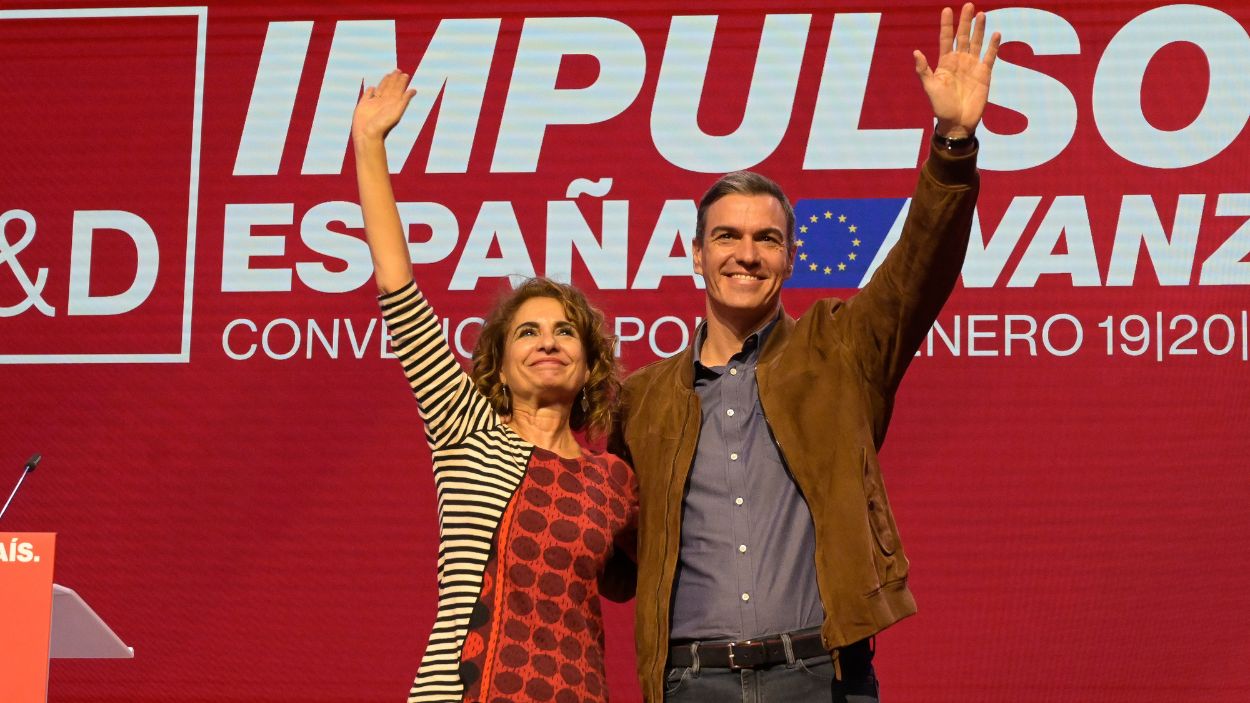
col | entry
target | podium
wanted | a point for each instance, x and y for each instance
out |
(78, 633)
(41, 619)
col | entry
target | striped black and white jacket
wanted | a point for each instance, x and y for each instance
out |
(478, 464)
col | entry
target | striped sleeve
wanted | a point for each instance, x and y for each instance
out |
(474, 480)
(449, 404)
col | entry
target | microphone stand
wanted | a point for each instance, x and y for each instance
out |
(30, 466)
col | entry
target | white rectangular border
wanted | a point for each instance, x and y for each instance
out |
(193, 200)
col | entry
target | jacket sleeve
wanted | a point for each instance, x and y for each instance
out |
(446, 398)
(887, 320)
(616, 438)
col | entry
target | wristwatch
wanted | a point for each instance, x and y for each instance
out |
(954, 143)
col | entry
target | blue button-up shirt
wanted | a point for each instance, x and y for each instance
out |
(747, 562)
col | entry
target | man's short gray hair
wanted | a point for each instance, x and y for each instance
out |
(744, 183)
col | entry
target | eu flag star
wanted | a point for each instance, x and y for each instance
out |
(841, 218)
(852, 228)
(815, 219)
(803, 257)
(828, 270)
(851, 256)
(841, 267)
(812, 267)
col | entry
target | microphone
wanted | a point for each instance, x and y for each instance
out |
(31, 463)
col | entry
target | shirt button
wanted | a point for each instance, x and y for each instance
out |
(742, 549)
(746, 596)
(730, 412)
(738, 501)
(733, 372)
(733, 456)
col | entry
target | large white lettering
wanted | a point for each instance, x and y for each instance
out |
(273, 98)
(1118, 83)
(1045, 102)
(87, 225)
(1139, 224)
(836, 141)
(1067, 218)
(770, 99)
(454, 69)
(360, 50)
(534, 103)
(496, 225)
(1227, 265)
(987, 256)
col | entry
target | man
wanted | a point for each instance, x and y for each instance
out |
(767, 552)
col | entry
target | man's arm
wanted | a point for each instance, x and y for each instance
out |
(616, 437)
(894, 312)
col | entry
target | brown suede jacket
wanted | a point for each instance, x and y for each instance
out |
(826, 386)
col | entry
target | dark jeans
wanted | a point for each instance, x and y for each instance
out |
(801, 680)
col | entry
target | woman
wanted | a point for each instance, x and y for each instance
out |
(527, 515)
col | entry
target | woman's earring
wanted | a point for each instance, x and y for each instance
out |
(507, 399)
(585, 402)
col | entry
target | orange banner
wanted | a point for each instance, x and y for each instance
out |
(26, 612)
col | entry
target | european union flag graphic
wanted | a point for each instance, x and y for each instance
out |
(838, 239)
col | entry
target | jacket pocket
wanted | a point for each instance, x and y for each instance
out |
(878, 508)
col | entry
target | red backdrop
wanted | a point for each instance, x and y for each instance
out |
(237, 474)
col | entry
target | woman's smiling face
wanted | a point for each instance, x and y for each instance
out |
(544, 358)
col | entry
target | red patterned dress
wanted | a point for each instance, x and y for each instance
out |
(537, 633)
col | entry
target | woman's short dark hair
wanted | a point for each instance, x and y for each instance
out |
(603, 382)
(744, 183)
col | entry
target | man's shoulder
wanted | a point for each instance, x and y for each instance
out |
(818, 319)
(652, 389)
(656, 371)
(820, 307)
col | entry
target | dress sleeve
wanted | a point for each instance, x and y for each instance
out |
(619, 580)
(450, 405)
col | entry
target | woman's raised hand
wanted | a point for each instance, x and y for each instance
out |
(381, 106)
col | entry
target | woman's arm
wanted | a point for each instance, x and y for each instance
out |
(377, 112)
(450, 405)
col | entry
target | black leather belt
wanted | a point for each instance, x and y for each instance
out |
(760, 653)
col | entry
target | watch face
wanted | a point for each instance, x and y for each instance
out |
(952, 143)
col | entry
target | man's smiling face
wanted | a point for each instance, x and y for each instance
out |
(744, 256)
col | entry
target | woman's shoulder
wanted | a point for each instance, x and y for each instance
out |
(496, 437)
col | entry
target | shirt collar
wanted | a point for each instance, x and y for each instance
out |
(750, 346)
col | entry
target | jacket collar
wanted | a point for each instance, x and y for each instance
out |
(777, 339)
(774, 342)
(757, 338)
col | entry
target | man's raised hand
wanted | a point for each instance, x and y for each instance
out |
(960, 84)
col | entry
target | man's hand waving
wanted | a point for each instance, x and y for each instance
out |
(960, 84)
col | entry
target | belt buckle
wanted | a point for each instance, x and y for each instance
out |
(733, 665)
